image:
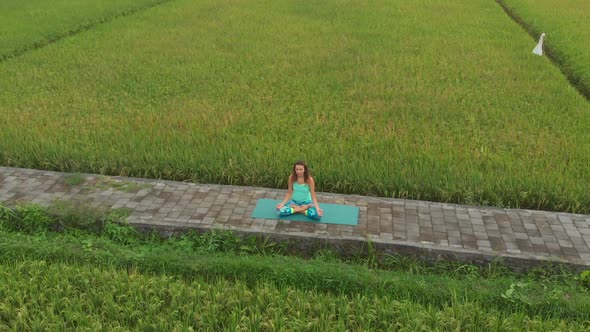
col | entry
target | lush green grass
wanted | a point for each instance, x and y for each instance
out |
(550, 293)
(567, 33)
(28, 24)
(117, 278)
(37, 295)
(384, 98)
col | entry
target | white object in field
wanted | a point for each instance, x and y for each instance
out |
(539, 48)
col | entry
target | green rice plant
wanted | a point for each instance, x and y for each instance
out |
(118, 229)
(72, 215)
(584, 278)
(120, 232)
(7, 217)
(262, 245)
(31, 24)
(553, 299)
(32, 218)
(567, 36)
(403, 263)
(184, 242)
(57, 296)
(326, 255)
(218, 240)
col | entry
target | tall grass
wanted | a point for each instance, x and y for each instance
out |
(433, 100)
(542, 294)
(568, 33)
(550, 296)
(29, 24)
(37, 294)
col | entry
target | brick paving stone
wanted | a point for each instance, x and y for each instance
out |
(582, 248)
(525, 245)
(536, 240)
(477, 221)
(454, 233)
(578, 240)
(463, 216)
(553, 220)
(455, 241)
(565, 243)
(474, 213)
(483, 243)
(565, 219)
(386, 236)
(480, 235)
(553, 248)
(438, 221)
(466, 231)
(479, 229)
(451, 226)
(497, 243)
(439, 228)
(561, 235)
(572, 231)
(570, 251)
(385, 226)
(487, 230)
(492, 233)
(437, 215)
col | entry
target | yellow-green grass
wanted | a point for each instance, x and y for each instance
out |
(28, 24)
(36, 295)
(434, 100)
(567, 28)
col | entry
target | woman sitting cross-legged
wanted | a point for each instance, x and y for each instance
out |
(301, 195)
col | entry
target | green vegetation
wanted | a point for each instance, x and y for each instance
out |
(75, 179)
(105, 182)
(29, 24)
(116, 278)
(568, 33)
(547, 298)
(57, 296)
(381, 98)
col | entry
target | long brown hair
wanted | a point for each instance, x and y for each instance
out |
(305, 172)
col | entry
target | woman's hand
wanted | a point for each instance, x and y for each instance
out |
(320, 212)
(280, 205)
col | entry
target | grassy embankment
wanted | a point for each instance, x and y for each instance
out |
(102, 274)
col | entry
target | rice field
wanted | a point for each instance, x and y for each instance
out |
(545, 292)
(37, 295)
(434, 100)
(29, 24)
(567, 33)
(117, 279)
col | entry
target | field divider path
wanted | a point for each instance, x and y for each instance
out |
(78, 29)
(429, 230)
(571, 77)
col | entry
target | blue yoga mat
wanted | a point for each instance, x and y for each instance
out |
(333, 213)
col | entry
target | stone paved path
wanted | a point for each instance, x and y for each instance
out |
(421, 228)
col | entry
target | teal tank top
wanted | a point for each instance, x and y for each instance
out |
(301, 192)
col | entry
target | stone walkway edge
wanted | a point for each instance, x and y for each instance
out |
(428, 230)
